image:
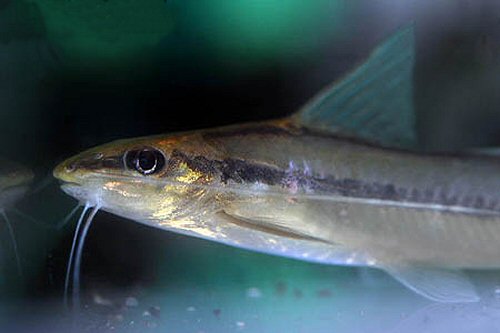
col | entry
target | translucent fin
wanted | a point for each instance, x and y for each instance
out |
(375, 101)
(440, 285)
(274, 241)
(274, 228)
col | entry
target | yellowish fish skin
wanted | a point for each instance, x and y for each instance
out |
(282, 189)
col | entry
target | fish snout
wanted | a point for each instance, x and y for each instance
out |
(81, 166)
(67, 171)
(61, 170)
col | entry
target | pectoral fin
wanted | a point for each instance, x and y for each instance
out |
(440, 285)
(276, 228)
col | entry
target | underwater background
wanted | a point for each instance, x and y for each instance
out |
(78, 73)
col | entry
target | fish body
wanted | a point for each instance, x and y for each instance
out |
(339, 182)
(378, 205)
(396, 205)
(14, 182)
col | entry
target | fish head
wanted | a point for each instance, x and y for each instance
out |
(150, 180)
(15, 180)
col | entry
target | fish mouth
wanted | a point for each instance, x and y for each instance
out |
(70, 181)
(77, 191)
(69, 172)
(69, 185)
(77, 183)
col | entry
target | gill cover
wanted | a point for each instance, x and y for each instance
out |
(375, 101)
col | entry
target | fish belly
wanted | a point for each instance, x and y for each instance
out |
(389, 234)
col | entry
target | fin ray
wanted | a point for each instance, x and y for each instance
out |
(437, 284)
(277, 227)
(377, 95)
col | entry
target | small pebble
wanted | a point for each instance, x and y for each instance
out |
(254, 293)
(240, 324)
(190, 309)
(217, 312)
(99, 300)
(131, 302)
(155, 311)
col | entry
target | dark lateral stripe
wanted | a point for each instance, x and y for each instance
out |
(229, 169)
(244, 172)
(240, 171)
(355, 188)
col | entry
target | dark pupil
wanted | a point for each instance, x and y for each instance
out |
(145, 161)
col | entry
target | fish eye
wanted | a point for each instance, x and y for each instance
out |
(145, 161)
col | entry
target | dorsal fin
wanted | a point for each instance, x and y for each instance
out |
(375, 101)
